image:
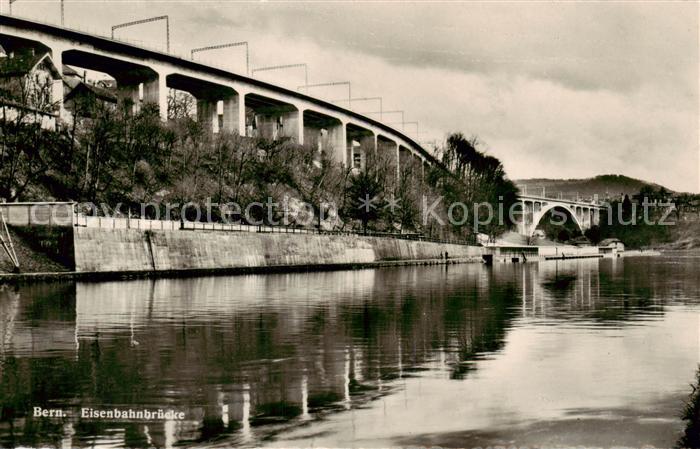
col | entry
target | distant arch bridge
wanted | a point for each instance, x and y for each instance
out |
(585, 214)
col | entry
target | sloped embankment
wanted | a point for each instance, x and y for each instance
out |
(38, 250)
(691, 415)
(685, 234)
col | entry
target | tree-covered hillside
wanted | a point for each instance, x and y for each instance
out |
(122, 160)
(611, 186)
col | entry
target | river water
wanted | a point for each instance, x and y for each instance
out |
(580, 352)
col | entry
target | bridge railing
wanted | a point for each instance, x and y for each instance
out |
(590, 201)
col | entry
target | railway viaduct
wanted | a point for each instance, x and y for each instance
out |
(242, 104)
(225, 100)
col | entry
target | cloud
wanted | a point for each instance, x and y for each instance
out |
(572, 89)
(579, 44)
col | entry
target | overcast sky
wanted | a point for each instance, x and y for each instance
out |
(554, 90)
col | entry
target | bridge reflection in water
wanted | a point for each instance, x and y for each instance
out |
(251, 357)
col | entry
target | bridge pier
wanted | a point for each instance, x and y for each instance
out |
(156, 91)
(398, 161)
(129, 95)
(300, 125)
(249, 107)
(217, 104)
(57, 90)
(323, 132)
(272, 119)
(231, 109)
(208, 114)
(360, 142)
(404, 157)
(240, 116)
(529, 210)
(417, 163)
(389, 148)
(340, 150)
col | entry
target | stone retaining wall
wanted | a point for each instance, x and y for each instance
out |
(132, 250)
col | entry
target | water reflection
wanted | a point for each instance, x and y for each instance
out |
(300, 359)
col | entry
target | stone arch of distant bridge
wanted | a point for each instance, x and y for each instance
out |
(539, 215)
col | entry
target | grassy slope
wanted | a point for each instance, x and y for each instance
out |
(30, 260)
(685, 234)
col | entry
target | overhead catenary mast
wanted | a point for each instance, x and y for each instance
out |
(149, 20)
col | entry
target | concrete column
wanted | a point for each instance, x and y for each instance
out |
(398, 162)
(163, 96)
(579, 215)
(241, 115)
(347, 147)
(130, 93)
(589, 219)
(206, 114)
(529, 210)
(156, 91)
(367, 144)
(57, 92)
(290, 125)
(416, 160)
(300, 124)
(340, 143)
(528, 215)
(231, 120)
(404, 156)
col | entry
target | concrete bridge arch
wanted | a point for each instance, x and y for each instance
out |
(534, 208)
(538, 216)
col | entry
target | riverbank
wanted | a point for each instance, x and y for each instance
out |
(83, 253)
(691, 415)
(190, 273)
(131, 253)
(685, 235)
(35, 252)
(131, 250)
